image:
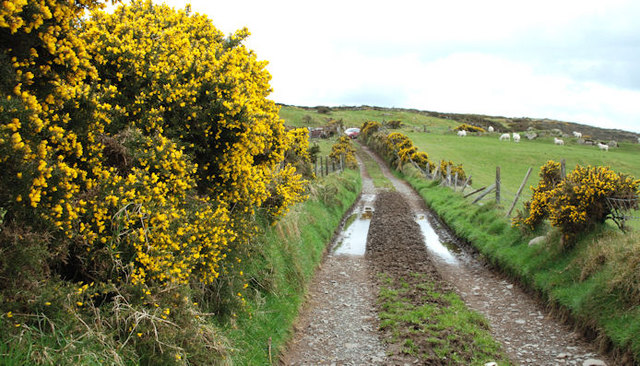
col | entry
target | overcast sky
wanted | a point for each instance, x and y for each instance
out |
(576, 61)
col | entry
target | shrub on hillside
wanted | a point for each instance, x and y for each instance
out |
(298, 153)
(421, 158)
(469, 128)
(369, 128)
(445, 164)
(398, 148)
(323, 109)
(393, 124)
(343, 148)
(578, 202)
(537, 209)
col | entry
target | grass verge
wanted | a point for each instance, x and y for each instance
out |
(595, 283)
(279, 272)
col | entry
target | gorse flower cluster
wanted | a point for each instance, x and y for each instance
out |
(138, 145)
(578, 202)
(455, 169)
(537, 209)
(343, 149)
(469, 128)
(369, 128)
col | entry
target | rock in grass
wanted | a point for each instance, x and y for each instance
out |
(537, 240)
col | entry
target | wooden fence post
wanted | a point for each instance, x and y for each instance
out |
(448, 175)
(524, 181)
(455, 182)
(315, 167)
(326, 162)
(465, 183)
(498, 185)
(563, 169)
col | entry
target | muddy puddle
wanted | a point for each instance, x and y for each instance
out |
(352, 240)
(443, 250)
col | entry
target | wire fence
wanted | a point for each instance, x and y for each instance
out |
(326, 165)
(622, 209)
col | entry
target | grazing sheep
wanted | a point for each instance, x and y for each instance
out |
(505, 136)
(603, 147)
(490, 129)
(577, 134)
(558, 141)
(462, 133)
(516, 137)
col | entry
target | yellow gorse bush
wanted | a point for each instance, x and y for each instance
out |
(136, 149)
(537, 209)
(143, 141)
(445, 164)
(469, 128)
(422, 159)
(173, 72)
(578, 202)
(344, 148)
(368, 128)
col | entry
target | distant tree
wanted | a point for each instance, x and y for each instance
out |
(323, 110)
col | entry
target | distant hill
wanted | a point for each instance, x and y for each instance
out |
(499, 123)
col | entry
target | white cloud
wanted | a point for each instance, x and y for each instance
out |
(573, 59)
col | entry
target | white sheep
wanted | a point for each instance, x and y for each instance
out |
(505, 136)
(490, 129)
(558, 141)
(603, 147)
(577, 134)
(462, 133)
(516, 137)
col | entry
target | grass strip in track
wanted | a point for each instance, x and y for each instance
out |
(423, 319)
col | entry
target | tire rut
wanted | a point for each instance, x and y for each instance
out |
(338, 325)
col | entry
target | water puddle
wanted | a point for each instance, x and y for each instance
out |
(431, 239)
(353, 238)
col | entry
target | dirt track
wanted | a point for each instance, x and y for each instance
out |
(339, 324)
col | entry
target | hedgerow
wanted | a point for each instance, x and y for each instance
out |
(399, 150)
(343, 149)
(137, 148)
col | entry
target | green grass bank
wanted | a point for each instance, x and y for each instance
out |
(279, 271)
(596, 283)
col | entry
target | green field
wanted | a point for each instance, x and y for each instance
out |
(295, 116)
(479, 155)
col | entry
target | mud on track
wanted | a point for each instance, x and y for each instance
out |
(395, 246)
